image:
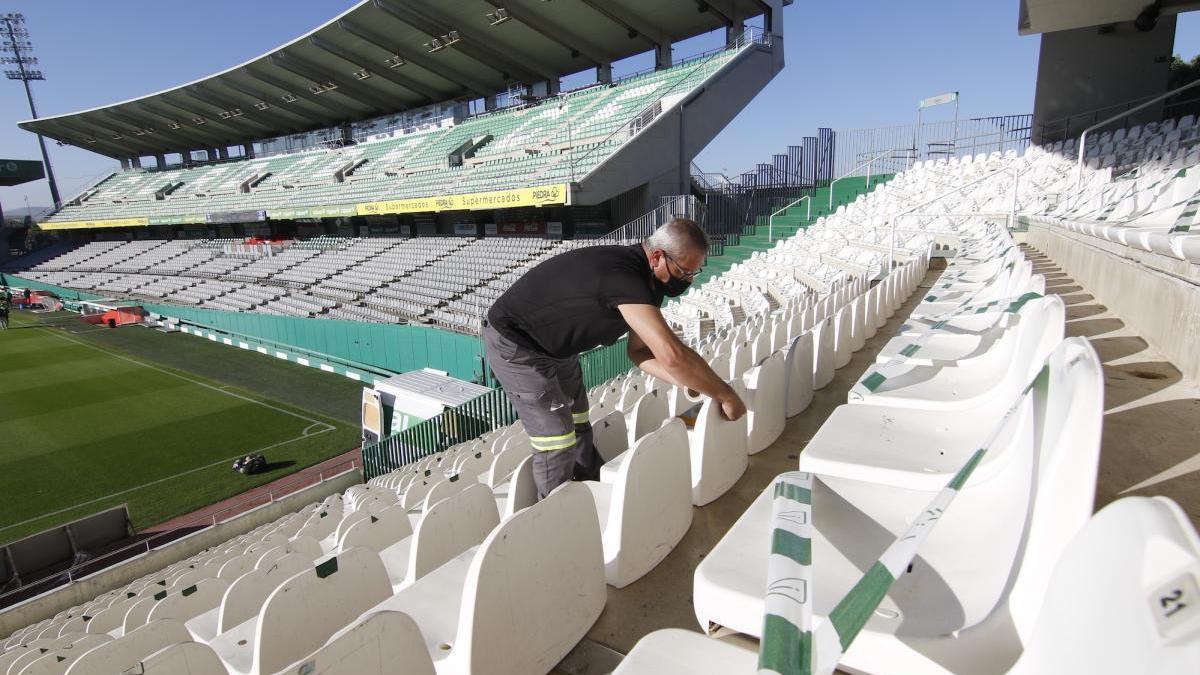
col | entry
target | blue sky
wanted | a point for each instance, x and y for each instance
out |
(848, 65)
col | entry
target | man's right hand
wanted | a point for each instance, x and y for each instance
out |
(732, 407)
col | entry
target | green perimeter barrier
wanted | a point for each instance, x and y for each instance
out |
(478, 416)
(391, 347)
(453, 426)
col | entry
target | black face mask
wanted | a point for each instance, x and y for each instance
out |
(674, 286)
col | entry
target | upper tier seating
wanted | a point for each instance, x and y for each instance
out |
(559, 139)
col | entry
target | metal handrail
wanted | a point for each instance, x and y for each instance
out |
(850, 173)
(205, 522)
(771, 218)
(1114, 118)
(1012, 211)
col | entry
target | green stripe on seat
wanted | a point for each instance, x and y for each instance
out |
(852, 613)
(792, 546)
(784, 647)
(872, 381)
(793, 492)
(964, 473)
(910, 350)
(1017, 304)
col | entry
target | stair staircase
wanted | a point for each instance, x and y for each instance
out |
(787, 223)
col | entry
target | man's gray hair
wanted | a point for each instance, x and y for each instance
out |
(678, 238)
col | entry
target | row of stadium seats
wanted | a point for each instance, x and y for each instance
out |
(559, 138)
(980, 377)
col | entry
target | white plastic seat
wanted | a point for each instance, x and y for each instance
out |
(648, 508)
(1005, 368)
(823, 353)
(610, 436)
(380, 644)
(56, 660)
(766, 418)
(520, 490)
(122, 654)
(244, 598)
(648, 414)
(302, 613)
(449, 527)
(674, 651)
(799, 368)
(519, 602)
(184, 658)
(189, 602)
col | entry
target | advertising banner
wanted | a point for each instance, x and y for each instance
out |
(544, 195)
(87, 224)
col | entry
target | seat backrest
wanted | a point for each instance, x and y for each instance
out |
(190, 601)
(1124, 597)
(1069, 409)
(740, 360)
(304, 611)
(649, 412)
(450, 527)
(798, 366)
(245, 596)
(383, 642)
(507, 460)
(610, 436)
(184, 658)
(522, 490)
(126, 651)
(535, 586)
(56, 660)
(658, 467)
(767, 406)
(379, 531)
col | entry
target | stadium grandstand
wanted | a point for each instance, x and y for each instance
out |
(967, 353)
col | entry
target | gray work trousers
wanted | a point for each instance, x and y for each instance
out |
(551, 400)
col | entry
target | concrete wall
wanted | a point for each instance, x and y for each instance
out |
(86, 589)
(1157, 296)
(1084, 69)
(663, 152)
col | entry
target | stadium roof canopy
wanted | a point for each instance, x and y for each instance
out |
(1046, 16)
(385, 56)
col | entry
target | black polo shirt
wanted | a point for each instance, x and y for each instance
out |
(568, 304)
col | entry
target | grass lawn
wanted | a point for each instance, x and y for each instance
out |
(94, 417)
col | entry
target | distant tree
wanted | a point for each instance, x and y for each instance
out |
(1181, 73)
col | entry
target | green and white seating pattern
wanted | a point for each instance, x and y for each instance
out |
(561, 138)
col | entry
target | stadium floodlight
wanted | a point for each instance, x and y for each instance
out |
(440, 42)
(394, 62)
(499, 16)
(362, 74)
(15, 47)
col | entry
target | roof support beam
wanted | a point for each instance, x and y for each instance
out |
(200, 140)
(419, 59)
(103, 138)
(422, 90)
(339, 113)
(152, 142)
(556, 34)
(351, 90)
(215, 138)
(254, 127)
(292, 119)
(309, 114)
(720, 8)
(630, 22)
(469, 44)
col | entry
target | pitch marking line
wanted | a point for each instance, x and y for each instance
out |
(328, 427)
(161, 480)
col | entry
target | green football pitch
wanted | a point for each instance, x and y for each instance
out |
(92, 417)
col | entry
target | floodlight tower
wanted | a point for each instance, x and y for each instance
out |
(16, 49)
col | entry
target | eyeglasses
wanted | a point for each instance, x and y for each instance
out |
(684, 273)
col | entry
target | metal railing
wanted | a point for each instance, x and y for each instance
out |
(241, 504)
(998, 132)
(771, 218)
(1067, 127)
(867, 164)
(481, 414)
(1122, 115)
(679, 206)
